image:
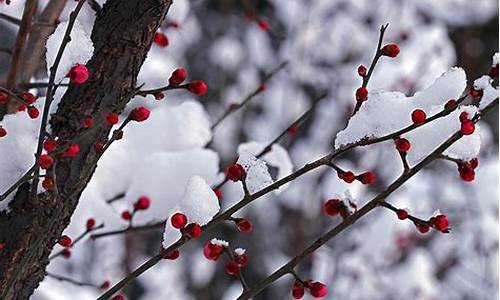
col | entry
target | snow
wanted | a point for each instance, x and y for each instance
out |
(227, 53)
(495, 59)
(490, 93)
(239, 251)
(222, 243)
(78, 50)
(387, 112)
(258, 175)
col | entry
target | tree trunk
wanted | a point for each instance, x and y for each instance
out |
(122, 35)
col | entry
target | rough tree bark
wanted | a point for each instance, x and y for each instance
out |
(122, 35)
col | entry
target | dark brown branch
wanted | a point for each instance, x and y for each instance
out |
(72, 281)
(10, 19)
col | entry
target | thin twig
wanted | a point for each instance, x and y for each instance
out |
(10, 19)
(79, 238)
(71, 280)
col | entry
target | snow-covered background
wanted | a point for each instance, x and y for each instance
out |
(166, 158)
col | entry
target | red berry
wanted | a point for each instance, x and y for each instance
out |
(464, 116)
(126, 215)
(402, 214)
(241, 260)
(159, 95)
(160, 39)
(262, 88)
(218, 193)
(142, 203)
(3, 132)
(334, 207)
(72, 151)
(47, 183)
(33, 112)
(402, 145)
(367, 178)
(362, 71)
(78, 74)
(297, 290)
(441, 223)
(139, 114)
(88, 122)
(173, 24)
(317, 289)
(3, 246)
(213, 251)
(118, 297)
(105, 285)
(347, 176)
(45, 161)
(21, 107)
(178, 220)
(362, 94)
(244, 225)
(198, 87)
(292, 130)
(263, 25)
(65, 241)
(466, 173)
(235, 172)
(494, 71)
(451, 104)
(232, 268)
(418, 116)
(474, 163)
(98, 146)
(172, 255)
(423, 228)
(4, 98)
(49, 145)
(391, 50)
(475, 94)
(112, 118)
(193, 230)
(66, 253)
(467, 128)
(90, 223)
(177, 77)
(28, 98)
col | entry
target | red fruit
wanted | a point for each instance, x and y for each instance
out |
(3, 246)
(474, 163)
(466, 173)
(173, 24)
(126, 215)
(241, 260)
(451, 104)
(402, 214)
(172, 255)
(78, 74)
(193, 230)
(262, 88)
(65, 241)
(475, 94)
(177, 77)
(362, 71)
(467, 128)
(66, 253)
(139, 114)
(72, 151)
(232, 268)
(494, 71)
(297, 290)
(28, 98)
(3, 132)
(317, 289)
(218, 193)
(47, 183)
(45, 161)
(21, 107)
(90, 223)
(391, 50)
(88, 122)
(402, 145)
(464, 116)
(367, 177)
(235, 172)
(244, 225)
(347, 176)
(160, 39)
(198, 87)
(362, 94)
(105, 285)
(263, 25)
(33, 112)
(334, 207)
(49, 145)
(292, 130)
(441, 223)
(118, 297)
(4, 98)
(178, 220)
(98, 146)
(112, 118)
(418, 116)
(159, 95)
(423, 228)
(213, 251)
(142, 203)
